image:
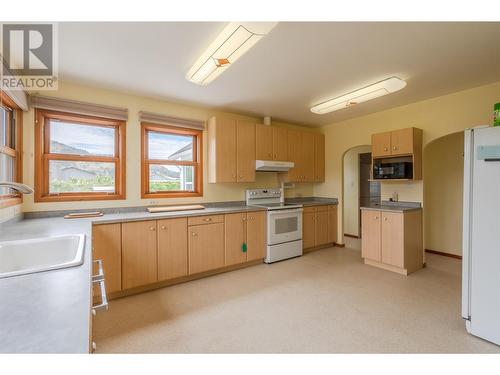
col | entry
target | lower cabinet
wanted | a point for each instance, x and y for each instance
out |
(139, 254)
(136, 254)
(245, 237)
(106, 246)
(172, 248)
(392, 240)
(319, 226)
(206, 247)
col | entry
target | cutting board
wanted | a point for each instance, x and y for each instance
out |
(79, 215)
(175, 208)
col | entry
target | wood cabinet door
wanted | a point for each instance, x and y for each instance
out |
(172, 248)
(381, 144)
(321, 228)
(107, 246)
(206, 247)
(245, 151)
(139, 254)
(280, 144)
(225, 155)
(235, 238)
(295, 155)
(308, 156)
(319, 158)
(332, 224)
(393, 238)
(402, 141)
(256, 235)
(308, 231)
(264, 142)
(370, 235)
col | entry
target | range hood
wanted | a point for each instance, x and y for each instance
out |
(273, 166)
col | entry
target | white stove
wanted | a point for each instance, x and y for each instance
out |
(284, 223)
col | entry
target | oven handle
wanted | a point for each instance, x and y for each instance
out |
(281, 212)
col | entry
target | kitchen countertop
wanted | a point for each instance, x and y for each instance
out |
(393, 206)
(48, 312)
(313, 201)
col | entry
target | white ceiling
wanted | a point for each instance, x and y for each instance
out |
(297, 65)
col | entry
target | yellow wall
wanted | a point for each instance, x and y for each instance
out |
(351, 189)
(443, 193)
(437, 117)
(212, 192)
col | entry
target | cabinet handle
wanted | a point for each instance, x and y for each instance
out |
(385, 148)
(152, 228)
(385, 219)
(244, 219)
(376, 218)
(194, 234)
(251, 218)
(394, 148)
(241, 176)
(163, 227)
(275, 156)
(207, 219)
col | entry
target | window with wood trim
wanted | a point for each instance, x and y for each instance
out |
(11, 122)
(78, 157)
(171, 161)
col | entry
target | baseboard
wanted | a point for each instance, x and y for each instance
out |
(350, 235)
(443, 254)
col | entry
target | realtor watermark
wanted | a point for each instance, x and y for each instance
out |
(29, 56)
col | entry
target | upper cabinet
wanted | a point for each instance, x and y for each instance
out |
(397, 143)
(231, 150)
(307, 151)
(235, 145)
(271, 143)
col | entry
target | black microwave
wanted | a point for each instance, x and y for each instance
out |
(392, 169)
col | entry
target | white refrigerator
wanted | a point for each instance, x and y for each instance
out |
(481, 233)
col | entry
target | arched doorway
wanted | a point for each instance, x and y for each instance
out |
(443, 194)
(357, 189)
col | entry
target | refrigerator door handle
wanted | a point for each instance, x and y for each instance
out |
(467, 223)
(492, 159)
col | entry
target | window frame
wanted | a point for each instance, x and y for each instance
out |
(197, 163)
(43, 156)
(16, 152)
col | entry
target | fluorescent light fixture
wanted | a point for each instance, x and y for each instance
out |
(229, 46)
(381, 88)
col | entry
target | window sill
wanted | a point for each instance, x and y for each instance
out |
(177, 194)
(78, 198)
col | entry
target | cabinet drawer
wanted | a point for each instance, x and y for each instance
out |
(209, 219)
(315, 209)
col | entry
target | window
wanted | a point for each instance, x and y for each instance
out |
(10, 149)
(78, 157)
(171, 161)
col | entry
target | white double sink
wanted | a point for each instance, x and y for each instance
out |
(41, 254)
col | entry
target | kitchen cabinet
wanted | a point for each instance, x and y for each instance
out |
(245, 151)
(231, 150)
(245, 237)
(381, 145)
(271, 143)
(392, 240)
(256, 235)
(280, 143)
(307, 151)
(319, 157)
(106, 245)
(139, 254)
(332, 223)
(402, 141)
(316, 230)
(206, 247)
(172, 248)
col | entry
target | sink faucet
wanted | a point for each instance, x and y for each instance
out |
(22, 188)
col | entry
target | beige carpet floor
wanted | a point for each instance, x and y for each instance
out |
(327, 301)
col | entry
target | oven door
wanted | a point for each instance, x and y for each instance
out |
(284, 226)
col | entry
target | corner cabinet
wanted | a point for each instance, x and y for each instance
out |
(319, 226)
(392, 240)
(231, 150)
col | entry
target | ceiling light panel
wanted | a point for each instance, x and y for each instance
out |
(236, 39)
(370, 92)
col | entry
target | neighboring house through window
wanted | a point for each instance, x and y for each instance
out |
(171, 161)
(78, 157)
